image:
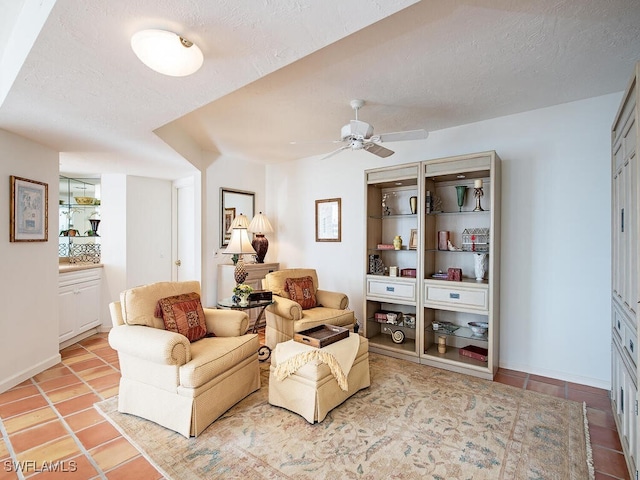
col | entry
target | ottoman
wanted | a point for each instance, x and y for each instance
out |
(312, 391)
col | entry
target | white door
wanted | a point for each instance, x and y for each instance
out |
(185, 250)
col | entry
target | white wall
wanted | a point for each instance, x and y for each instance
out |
(555, 298)
(148, 230)
(230, 173)
(135, 235)
(29, 280)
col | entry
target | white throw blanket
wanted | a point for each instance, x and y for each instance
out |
(338, 356)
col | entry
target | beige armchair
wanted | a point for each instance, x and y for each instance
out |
(180, 385)
(285, 317)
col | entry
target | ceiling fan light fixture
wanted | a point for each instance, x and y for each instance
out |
(167, 52)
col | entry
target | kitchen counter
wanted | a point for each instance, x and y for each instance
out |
(74, 267)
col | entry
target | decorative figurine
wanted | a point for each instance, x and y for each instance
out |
(452, 247)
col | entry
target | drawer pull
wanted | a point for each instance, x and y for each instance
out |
(454, 295)
(391, 289)
(618, 324)
(631, 345)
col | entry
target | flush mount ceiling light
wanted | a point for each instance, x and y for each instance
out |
(167, 52)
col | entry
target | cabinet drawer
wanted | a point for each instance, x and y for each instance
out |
(78, 276)
(457, 297)
(625, 333)
(391, 290)
(258, 271)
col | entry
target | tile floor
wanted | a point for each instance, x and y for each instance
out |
(51, 418)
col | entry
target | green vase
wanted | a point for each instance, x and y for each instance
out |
(461, 191)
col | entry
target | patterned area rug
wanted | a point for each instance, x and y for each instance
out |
(414, 422)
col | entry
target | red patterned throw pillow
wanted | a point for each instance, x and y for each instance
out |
(183, 314)
(301, 291)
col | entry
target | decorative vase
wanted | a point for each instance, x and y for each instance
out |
(413, 203)
(240, 273)
(397, 242)
(480, 265)
(461, 190)
(94, 225)
(244, 299)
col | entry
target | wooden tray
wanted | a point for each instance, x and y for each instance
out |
(321, 336)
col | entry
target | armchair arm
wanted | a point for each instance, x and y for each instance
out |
(332, 299)
(285, 308)
(152, 344)
(226, 323)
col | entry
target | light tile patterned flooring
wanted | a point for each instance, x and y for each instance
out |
(50, 420)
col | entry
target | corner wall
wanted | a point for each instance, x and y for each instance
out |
(29, 280)
(556, 248)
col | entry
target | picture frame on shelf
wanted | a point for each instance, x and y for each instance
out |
(229, 215)
(29, 218)
(328, 220)
(413, 239)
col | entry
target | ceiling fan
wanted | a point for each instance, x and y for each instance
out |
(358, 135)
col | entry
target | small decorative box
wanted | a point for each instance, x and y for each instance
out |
(388, 316)
(454, 274)
(408, 272)
(385, 246)
(261, 296)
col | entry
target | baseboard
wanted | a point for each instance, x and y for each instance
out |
(566, 377)
(18, 378)
(77, 338)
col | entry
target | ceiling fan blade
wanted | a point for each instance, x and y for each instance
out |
(323, 142)
(399, 136)
(378, 150)
(334, 152)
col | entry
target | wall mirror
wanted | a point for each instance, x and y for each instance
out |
(232, 204)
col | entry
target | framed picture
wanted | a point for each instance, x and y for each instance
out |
(328, 220)
(413, 239)
(229, 215)
(29, 221)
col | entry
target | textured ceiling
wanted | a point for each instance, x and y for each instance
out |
(278, 71)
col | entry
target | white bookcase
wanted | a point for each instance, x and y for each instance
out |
(427, 298)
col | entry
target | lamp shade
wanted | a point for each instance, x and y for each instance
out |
(260, 224)
(239, 243)
(241, 221)
(167, 52)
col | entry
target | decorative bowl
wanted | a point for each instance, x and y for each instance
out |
(479, 328)
(84, 200)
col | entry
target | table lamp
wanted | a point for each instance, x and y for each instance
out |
(239, 245)
(259, 226)
(241, 221)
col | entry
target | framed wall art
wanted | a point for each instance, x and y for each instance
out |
(328, 220)
(29, 220)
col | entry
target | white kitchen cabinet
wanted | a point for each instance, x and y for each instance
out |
(625, 200)
(79, 302)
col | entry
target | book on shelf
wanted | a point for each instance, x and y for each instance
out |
(472, 351)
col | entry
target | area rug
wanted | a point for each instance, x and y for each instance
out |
(413, 422)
